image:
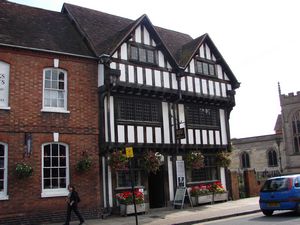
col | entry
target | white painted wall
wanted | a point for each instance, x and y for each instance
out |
(100, 75)
(130, 132)
(131, 74)
(124, 51)
(166, 125)
(223, 127)
(170, 176)
(140, 134)
(149, 133)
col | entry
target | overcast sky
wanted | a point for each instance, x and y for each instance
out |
(259, 39)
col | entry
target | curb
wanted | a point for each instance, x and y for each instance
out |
(218, 217)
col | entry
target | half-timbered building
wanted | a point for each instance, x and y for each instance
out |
(153, 83)
(99, 85)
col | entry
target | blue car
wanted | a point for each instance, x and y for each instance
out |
(280, 193)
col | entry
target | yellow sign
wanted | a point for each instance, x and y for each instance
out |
(129, 152)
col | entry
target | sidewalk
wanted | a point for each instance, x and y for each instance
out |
(188, 215)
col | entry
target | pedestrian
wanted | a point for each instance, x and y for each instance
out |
(72, 201)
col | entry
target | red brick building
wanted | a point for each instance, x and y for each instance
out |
(82, 83)
(49, 118)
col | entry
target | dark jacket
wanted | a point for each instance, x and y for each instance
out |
(74, 198)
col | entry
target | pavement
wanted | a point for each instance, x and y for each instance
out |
(186, 216)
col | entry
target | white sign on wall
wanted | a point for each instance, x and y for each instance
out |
(180, 171)
(4, 84)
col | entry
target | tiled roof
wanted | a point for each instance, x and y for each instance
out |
(36, 28)
(102, 29)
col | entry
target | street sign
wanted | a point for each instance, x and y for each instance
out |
(129, 152)
(180, 134)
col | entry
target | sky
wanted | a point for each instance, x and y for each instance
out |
(259, 40)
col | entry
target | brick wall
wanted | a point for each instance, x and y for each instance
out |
(78, 129)
(235, 192)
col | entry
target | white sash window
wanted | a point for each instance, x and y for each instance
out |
(55, 90)
(3, 171)
(55, 169)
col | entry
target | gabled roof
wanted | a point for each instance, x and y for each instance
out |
(106, 32)
(34, 28)
(186, 53)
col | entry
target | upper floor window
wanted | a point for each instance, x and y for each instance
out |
(55, 169)
(296, 131)
(138, 110)
(272, 158)
(3, 171)
(55, 90)
(245, 160)
(4, 85)
(145, 54)
(205, 68)
(197, 116)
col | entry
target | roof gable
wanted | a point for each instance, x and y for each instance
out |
(197, 47)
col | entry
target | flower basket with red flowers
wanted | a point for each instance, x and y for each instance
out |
(219, 192)
(118, 161)
(152, 161)
(126, 197)
(195, 160)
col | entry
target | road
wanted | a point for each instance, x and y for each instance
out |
(278, 218)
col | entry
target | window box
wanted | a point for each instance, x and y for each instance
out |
(129, 209)
(202, 199)
(220, 197)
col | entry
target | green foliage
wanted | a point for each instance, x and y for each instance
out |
(223, 159)
(195, 160)
(84, 164)
(152, 161)
(23, 170)
(118, 161)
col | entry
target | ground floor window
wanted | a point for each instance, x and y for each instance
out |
(3, 171)
(207, 173)
(55, 169)
(124, 179)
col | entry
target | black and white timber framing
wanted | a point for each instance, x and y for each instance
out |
(155, 95)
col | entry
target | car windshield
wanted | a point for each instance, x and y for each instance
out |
(278, 184)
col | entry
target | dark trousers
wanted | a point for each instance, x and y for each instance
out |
(75, 209)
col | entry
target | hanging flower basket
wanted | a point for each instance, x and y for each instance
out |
(23, 170)
(152, 161)
(223, 159)
(195, 160)
(118, 161)
(84, 164)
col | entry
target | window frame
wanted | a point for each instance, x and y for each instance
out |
(134, 111)
(65, 92)
(209, 64)
(296, 132)
(245, 160)
(146, 48)
(202, 123)
(273, 161)
(55, 192)
(209, 165)
(3, 194)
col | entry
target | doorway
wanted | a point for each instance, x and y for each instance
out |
(156, 189)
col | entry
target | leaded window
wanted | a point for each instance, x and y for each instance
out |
(3, 171)
(123, 178)
(55, 169)
(197, 116)
(245, 160)
(272, 158)
(205, 68)
(138, 110)
(55, 90)
(296, 131)
(208, 172)
(144, 54)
